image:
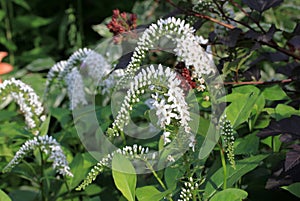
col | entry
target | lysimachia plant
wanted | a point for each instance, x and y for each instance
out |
(160, 112)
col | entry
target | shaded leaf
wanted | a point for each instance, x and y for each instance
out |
(288, 69)
(40, 64)
(171, 176)
(247, 145)
(294, 43)
(285, 126)
(25, 22)
(262, 5)
(230, 194)
(253, 73)
(293, 188)
(232, 38)
(216, 181)
(45, 126)
(292, 158)
(22, 3)
(2, 14)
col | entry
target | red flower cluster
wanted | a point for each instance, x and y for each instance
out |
(185, 76)
(121, 23)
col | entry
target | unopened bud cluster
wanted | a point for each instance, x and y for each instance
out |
(228, 139)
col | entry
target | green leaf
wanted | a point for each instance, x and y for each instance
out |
(36, 81)
(102, 29)
(242, 99)
(230, 194)
(124, 176)
(274, 93)
(45, 126)
(22, 3)
(6, 115)
(293, 188)
(28, 195)
(244, 166)
(40, 64)
(284, 111)
(4, 196)
(247, 145)
(25, 22)
(2, 15)
(76, 167)
(62, 115)
(150, 193)
(171, 176)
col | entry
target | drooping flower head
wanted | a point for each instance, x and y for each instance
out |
(28, 101)
(84, 64)
(49, 146)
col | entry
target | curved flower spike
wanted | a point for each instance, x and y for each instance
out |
(70, 73)
(187, 47)
(134, 151)
(49, 146)
(28, 101)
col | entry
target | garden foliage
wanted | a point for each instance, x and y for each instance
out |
(178, 100)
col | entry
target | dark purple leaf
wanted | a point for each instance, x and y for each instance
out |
(276, 56)
(288, 69)
(231, 39)
(252, 34)
(253, 73)
(269, 35)
(124, 61)
(286, 138)
(292, 158)
(285, 126)
(262, 5)
(294, 43)
(283, 177)
(297, 30)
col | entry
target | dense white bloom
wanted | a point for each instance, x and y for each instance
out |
(83, 62)
(96, 66)
(53, 74)
(75, 89)
(169, 105)
(74, 61)
(110, 82)
(28, 101)
(187, 47)
(49, 146)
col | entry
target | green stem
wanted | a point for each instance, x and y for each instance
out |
(8, 8)
(68, 189)
(157, 178)
(80, 22)
(44, 197)
(224, 166)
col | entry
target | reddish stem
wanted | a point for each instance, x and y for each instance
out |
(259, 82)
